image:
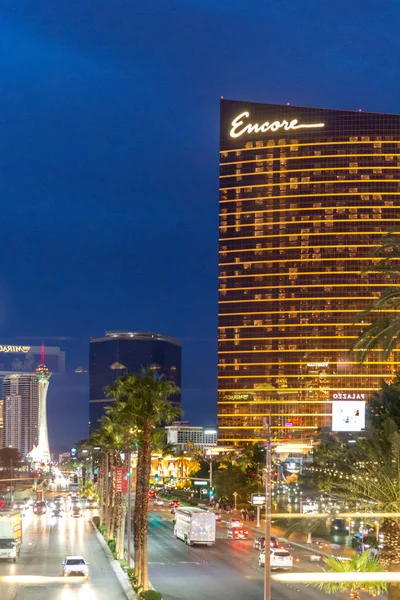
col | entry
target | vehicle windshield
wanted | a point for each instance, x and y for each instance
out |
(40, 503)
(75, 562)
(281, 553)
(6, 544)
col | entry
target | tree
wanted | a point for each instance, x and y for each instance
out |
(142, 404)
(364, 563)
(372, 479)
(10, 458)
(384, 332)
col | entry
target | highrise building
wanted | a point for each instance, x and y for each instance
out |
(305, 196)
(126, 352)
(21, 409)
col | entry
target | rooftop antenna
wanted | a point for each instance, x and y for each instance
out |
(42, 354)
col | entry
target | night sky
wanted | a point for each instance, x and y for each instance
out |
(109, 115)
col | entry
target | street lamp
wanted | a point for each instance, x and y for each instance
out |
(267, 570)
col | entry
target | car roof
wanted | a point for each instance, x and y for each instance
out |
(74, 557)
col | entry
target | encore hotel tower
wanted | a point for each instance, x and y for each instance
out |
(305, 196)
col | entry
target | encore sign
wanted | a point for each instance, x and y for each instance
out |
(237, 130)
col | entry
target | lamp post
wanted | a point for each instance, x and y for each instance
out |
(267, 570)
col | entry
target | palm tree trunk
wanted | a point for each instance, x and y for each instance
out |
(144, 580)
(111, 499)
(390, 556)
(121, 519)
(137, 515)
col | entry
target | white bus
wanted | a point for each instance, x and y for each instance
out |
(194, 525)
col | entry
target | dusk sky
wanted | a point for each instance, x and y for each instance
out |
(109, 115)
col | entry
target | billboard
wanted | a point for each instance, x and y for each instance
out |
(348, 415)
(258, 499)
(121, 480)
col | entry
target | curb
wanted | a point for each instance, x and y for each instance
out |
(121, 575)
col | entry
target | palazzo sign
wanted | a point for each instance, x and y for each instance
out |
(13, 349)
(239, 126)
(348, 396)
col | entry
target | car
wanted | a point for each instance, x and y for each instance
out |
(280, 559)
(234, 523)
(91, 503)
(159, 501)
(75, 502)
(28, 501)
(173, 505)
(237, 533)
(75, 565)
(259, 542)
(20, 506)
(152, 494)
(76, 511)
(40, 507)
(57, 512)
(218, 516)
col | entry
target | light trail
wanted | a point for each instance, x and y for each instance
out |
(336, 515)
(356, 576)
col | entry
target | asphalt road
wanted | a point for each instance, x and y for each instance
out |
(46, 542)
(228, 570)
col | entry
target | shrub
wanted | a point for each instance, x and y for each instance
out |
(123, 564)
(112, 544)
(150, 595)
(131, 573)
(96, 522)
(102, 529)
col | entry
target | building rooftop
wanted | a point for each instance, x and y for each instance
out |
(137, 335)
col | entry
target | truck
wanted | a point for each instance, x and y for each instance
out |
(194, 525)
(10, 535)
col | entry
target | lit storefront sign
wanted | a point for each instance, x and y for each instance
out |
(320, 365)
(13, 349)
(237, 130)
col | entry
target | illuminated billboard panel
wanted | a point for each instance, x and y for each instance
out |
(348, 415)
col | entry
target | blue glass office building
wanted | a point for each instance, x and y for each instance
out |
(125, 352)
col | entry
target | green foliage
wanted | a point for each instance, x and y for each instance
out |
(131, 573)
(385, 404)
(111, 543)
(234, 479)
(123, 564)
(103, 530)
(363, 563)
(150, 595)
(384, 331)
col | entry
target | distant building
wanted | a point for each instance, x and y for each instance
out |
(21, 412)
(184, 436)
(127, 352)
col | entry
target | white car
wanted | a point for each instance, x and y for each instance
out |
(75, 565)
(231, 523)
(159, 502)
(280, 559)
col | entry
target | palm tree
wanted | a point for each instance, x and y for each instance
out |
(142, 404)
(110, 437)
(384, 332)
(364, 564)
(372, 480)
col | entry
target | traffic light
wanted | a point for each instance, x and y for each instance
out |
(155, 478)
(211, 493)
(172, 479)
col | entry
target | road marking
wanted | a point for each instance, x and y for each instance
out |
(188, 562)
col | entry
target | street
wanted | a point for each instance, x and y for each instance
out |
(46, 542)
(227, 570)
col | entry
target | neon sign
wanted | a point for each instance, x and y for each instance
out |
(267, 126)
(8, 349)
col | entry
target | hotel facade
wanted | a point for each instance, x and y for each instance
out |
(305, 197)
